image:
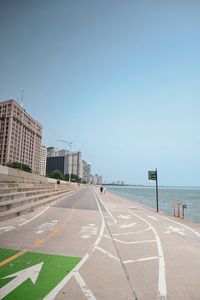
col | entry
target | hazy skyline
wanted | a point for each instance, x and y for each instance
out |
(121, 79)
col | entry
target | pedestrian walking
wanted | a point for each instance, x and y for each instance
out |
(101, 189)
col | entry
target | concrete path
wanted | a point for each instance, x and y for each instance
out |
(103, 247)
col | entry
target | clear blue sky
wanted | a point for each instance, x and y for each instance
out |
(119, 78)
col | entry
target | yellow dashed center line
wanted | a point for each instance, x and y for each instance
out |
(12, 257)
(41, 241)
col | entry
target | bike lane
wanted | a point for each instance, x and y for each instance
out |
(181, 247)
(35, 257)
(140, 239)
(180, 242)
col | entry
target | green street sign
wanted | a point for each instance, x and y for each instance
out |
(152, 175)
(32, 275)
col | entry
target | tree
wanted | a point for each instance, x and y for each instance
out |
(74, 178)
(20, 166)
(56, 174)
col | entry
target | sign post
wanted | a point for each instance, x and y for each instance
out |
(153, 175)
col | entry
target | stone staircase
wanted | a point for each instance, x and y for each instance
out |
(20, 198)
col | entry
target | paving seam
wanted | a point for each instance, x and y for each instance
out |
(162, 289)
(120, 259)
(53, 293)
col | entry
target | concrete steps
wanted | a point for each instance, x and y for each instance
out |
(17, 199)
(9, 190)
(25, 194)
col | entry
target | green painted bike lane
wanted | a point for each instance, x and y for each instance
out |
(32, 275)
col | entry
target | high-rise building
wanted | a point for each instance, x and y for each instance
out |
(95, 179)
(91, 179)
(59, 163)
(76, 163)
(52, 151)
(99, 180)
(86, 171)
(43, 160)
(64, 161)
(20, 136)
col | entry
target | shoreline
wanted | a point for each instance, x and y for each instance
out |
(152, 186)
(162, 213)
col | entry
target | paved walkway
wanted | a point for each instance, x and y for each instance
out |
(122, 250)
(138, 254)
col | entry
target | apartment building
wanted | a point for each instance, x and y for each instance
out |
(20, 136)
(99, 180)
(64, 161)
(86, 171)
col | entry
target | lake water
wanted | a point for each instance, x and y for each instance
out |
(166, 196)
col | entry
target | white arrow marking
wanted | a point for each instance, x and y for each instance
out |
(21, 276)
(124, 217)
(128, 225)
(172, 229)
(153, 218)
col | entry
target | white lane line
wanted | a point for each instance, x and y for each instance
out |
(53, 293)
(29, 220)
(153, 218)
(195, 232)
(8, 228)
(121, 261)
(140, 259)
(114, 220)
(108, 253)
(162, 290)
(83, 286)
(130, 233)
(135, 242)
(34, 217)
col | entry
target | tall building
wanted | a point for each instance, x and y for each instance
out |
(52, 151)
(99, 180)
(43, 160)
(59, 163)
(76, 163)
(86, 171)
(20, 136)
(64, 161)
(95, 179)
(91, 179)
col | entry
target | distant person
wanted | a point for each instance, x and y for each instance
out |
(104, 189)
(101, 189)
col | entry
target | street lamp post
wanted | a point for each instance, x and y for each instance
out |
(69, 144)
